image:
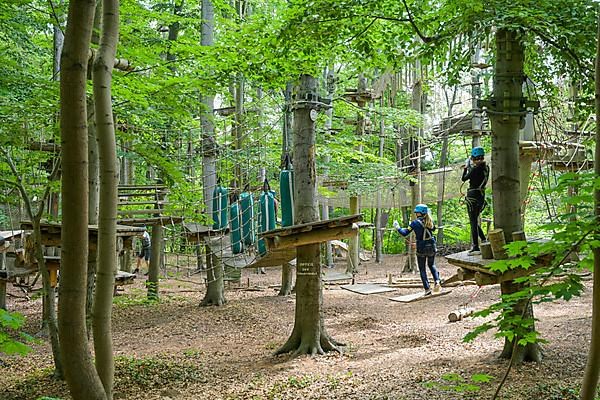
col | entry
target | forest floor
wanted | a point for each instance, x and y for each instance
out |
(176, 350)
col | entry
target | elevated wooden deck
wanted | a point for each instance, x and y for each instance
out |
(311, 233)
(220, 246)
(478, 269)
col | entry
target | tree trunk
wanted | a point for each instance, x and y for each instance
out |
(308, 335)
(215, 288)
(443, 162)
(155, 262)
(378, 228)
(330, 80)
(215, 294)
(109, 180)
(592, 368)
(49, 299)
(286, 280)
(93, 183)
(414, 153)
(506, 119)
(353, 242)
(81, 376)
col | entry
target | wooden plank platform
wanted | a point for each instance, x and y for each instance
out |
(367, 288)
(274, 258)
(333, 276)
(472, 263)
(344, 246)
(221, 247)
(409, 298)
(51, 233)
(7, 235)
(311, 233)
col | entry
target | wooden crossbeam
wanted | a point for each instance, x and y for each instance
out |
(142, 203)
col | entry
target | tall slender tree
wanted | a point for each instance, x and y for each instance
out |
(109, 179)
(80, 374)
(309, 335)
(215, 291)
(589, 385)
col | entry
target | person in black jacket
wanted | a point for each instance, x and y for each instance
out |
(476, 172)
(423, 227)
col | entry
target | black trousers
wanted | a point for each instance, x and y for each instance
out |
(475, 204)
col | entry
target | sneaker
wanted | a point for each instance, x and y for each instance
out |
(437, 288)
(427, 292)
(474, 252)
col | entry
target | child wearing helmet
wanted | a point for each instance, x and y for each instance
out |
(423, 227)
(476, 172)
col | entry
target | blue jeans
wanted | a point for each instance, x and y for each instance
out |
(430, 260)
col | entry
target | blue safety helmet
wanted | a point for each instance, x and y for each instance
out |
(477, 152)
(421, 209)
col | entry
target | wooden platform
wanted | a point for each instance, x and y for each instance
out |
(409, 298)
(51, 233)
(344, 247)
(472, 263)
(196, 232)
(333, 276)
(311, 233)
(367, 288)
(220, 246)
(477, 269)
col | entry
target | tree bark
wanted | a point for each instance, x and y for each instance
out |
(93, 182)
(109, 180)
(353, 242)
(215, 289)
(592, 369)
(155, 262)
(506, 119)
(415, 187)
(378, 228)
(81, 376)
(308, 335)
(286, 280)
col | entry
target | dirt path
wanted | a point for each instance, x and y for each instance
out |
(177, 350)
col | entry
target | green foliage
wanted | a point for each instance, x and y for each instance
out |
(556, 279)
(453, 382)
(10, 325)
(156, 372)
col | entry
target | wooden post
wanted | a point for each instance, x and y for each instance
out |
(352, 258)
(497, 243)
(486, 250)
(3, 294)
(518, 236)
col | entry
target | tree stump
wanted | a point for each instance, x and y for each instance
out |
(486, 250)
(497, 243)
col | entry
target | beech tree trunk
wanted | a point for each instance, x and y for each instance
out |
(109, 180)
(592, 369)
(80, 373)
(506, 119)
(215, 291)
(286, 280)
(93, 183)
(155, 262)
(308, 335)
(352, 258)
(415, 187)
